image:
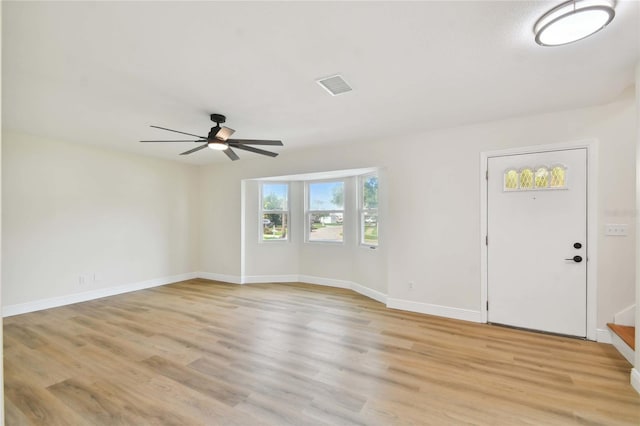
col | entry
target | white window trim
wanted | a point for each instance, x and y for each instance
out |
(308, 212)
(361, 210)
(262, 212)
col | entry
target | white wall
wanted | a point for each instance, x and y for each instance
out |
(271, 258)
(432, 226)
(334, 261)
(1, 327)
(72, 210)
(635, 372)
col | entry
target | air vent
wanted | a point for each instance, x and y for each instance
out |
(335, 85)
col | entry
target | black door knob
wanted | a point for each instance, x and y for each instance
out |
(576, 259)
(577, 245)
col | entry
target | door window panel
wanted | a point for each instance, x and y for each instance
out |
(542, 177)
(526, 179)
(557, 177)
(538, 178)
(511, 180)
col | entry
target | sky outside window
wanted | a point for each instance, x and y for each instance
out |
(274, 196)
(326, 196)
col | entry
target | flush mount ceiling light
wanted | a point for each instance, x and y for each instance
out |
(572, 21)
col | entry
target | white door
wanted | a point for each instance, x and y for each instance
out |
(537, 241)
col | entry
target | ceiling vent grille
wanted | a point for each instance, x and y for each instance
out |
(335, 85)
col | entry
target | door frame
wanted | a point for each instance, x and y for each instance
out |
(591, 146)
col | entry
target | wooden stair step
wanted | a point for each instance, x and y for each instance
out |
(626, 333)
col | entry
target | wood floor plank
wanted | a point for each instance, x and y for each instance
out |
(204, 352)
(223, 392)
(36, 370)
(91, 405)
(184, 400)
(135, 403)
(25, 335)
(37, 405)
(13, 416)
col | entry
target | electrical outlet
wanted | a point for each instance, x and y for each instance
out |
(411, 284)
(97, 277)
(616, 229)
(82, 280)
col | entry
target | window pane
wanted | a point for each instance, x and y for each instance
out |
(274, 196)
(511, 180)
(370, 193)
(542, 177)
(325, 227)
(275, 226)
(370, 228)
(326, 196)
(526, 179)
(557, 177)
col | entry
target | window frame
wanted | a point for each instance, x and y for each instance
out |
(308, 212)
(363, 211)
(262, 212)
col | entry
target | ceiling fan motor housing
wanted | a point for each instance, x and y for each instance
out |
(212, 133)
(218, 118)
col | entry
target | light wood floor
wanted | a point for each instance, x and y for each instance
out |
(200, 352)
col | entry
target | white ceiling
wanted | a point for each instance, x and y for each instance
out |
(102, 72)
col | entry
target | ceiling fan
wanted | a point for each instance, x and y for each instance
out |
(218, 139)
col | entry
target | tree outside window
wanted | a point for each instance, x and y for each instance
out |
(369, 210)
(274, 215)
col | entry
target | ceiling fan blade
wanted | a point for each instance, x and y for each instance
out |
(252, 149)
(176, 131)
(231, 154)
(255, 142)
(200, 140)
(194, 149)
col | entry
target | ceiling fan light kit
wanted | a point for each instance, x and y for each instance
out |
(218, 139)
(573, 20)
(218, 146)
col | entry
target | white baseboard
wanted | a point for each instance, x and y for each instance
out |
(54, 302)
(232, 279)
(358, 288)
(292, 278)
(407, 305)
(329, 282)
(603, 336)
(635, 379)
(259, 279)
(369, 292)
(438, 310)
(623, 348)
